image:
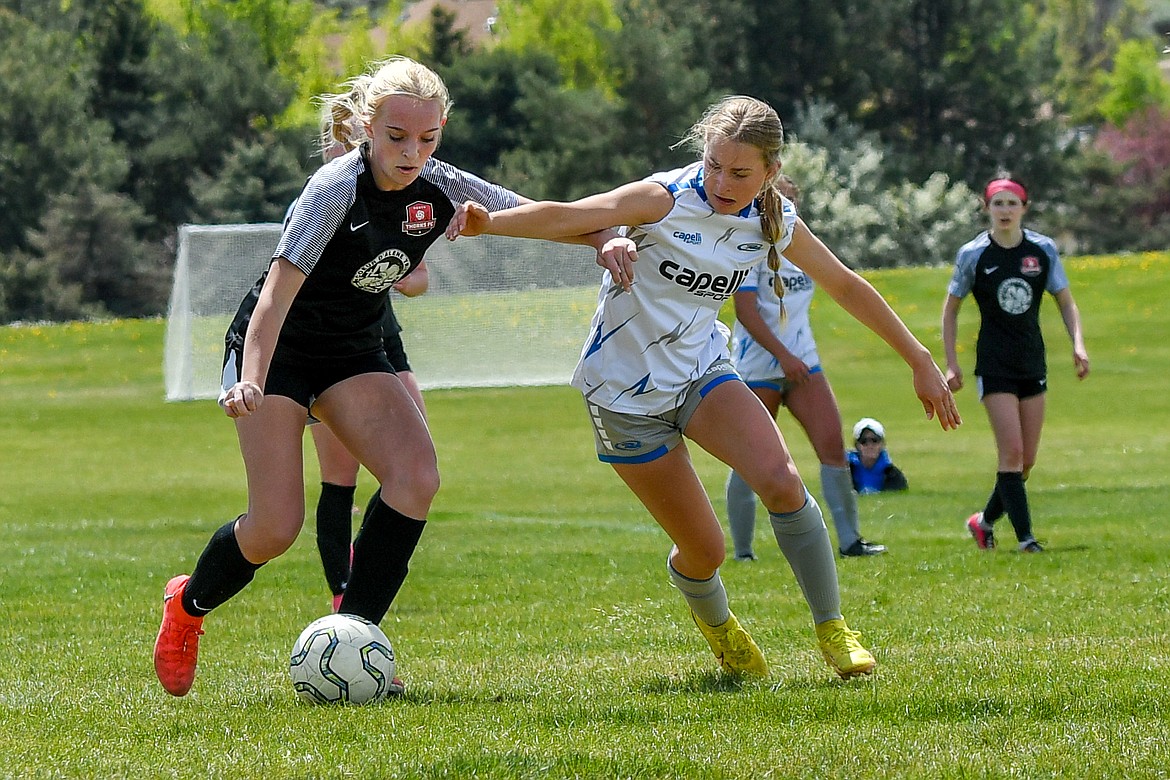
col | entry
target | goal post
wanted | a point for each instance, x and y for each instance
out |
(498, 312)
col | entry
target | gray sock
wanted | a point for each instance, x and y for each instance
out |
(741, 515)
(804, 540)
(706, 598)
(837, 484)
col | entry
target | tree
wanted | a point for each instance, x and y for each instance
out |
(257, 182)
(487, 119)
(447, 44)
(573, 32)
(31, 291)
(48, 133)
(1086, 37)
(210, 93)
(88, 238)
(1135, 84)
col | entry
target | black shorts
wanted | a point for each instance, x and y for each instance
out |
(305, 380)
(396, 352)
(1021, 388)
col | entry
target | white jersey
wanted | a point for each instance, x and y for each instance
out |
(646, 346)
(754, 362)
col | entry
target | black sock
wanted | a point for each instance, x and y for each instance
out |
(222, 572)
(1010, 487)
(334, 508)
(381, 553)
(994, 509)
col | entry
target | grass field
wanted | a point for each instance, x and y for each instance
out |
(537, 633)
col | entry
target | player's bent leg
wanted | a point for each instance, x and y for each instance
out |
(375, 418)
(733, 426)
(671, 491)
(378, 421)
(271, 445)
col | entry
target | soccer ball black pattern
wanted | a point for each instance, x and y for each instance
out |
(341, 659)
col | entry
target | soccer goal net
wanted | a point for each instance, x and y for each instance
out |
(499, 311)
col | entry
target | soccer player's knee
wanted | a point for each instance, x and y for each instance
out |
(273, 539)
(420, 482)
(711, 557)
(782, 492)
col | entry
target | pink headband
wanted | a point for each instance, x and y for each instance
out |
(999, 185)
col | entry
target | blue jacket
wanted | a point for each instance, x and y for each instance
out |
(883, 475)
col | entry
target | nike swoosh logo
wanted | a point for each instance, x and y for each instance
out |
(353, 227)
(991, 270)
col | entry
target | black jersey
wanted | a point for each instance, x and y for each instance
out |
(353, 241)
(1008, 285)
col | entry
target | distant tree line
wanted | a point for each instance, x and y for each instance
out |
(122, 119)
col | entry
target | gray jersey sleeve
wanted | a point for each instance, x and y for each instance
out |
(461, 186)
(319, 211)
(1057, 278)
(963, 278)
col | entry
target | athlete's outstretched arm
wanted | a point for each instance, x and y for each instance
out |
(631, 204)
(589, 221)
(859, 298)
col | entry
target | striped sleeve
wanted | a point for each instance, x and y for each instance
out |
(318, 212)
(460, 186)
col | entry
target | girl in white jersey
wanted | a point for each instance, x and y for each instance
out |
(773, 350)
(655, 367)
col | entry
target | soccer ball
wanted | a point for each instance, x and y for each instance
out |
(341, 659)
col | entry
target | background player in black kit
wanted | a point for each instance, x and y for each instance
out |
(339, 468)
(1007, 269)
(308, 339)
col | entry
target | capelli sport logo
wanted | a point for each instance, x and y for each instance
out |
(702, 284)
(695, 239)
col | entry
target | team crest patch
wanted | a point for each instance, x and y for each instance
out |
(420, 219)
(1014, 296)
(1030, 266)
(383, 271)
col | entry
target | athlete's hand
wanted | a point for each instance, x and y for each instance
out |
(934, 392)
(242, 399)
(955, 378)
(470, 219)
(795, 370)
(618, 256)
(1081, 363)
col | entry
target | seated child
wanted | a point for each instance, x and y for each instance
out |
(870, 463)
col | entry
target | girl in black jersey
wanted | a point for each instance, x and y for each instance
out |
(308, 339)
(1007, 269)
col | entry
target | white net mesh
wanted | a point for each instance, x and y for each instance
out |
(499, 311)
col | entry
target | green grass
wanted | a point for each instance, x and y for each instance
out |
(537, 632)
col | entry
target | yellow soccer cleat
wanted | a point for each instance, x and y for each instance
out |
(734, 648)
(842, 649)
